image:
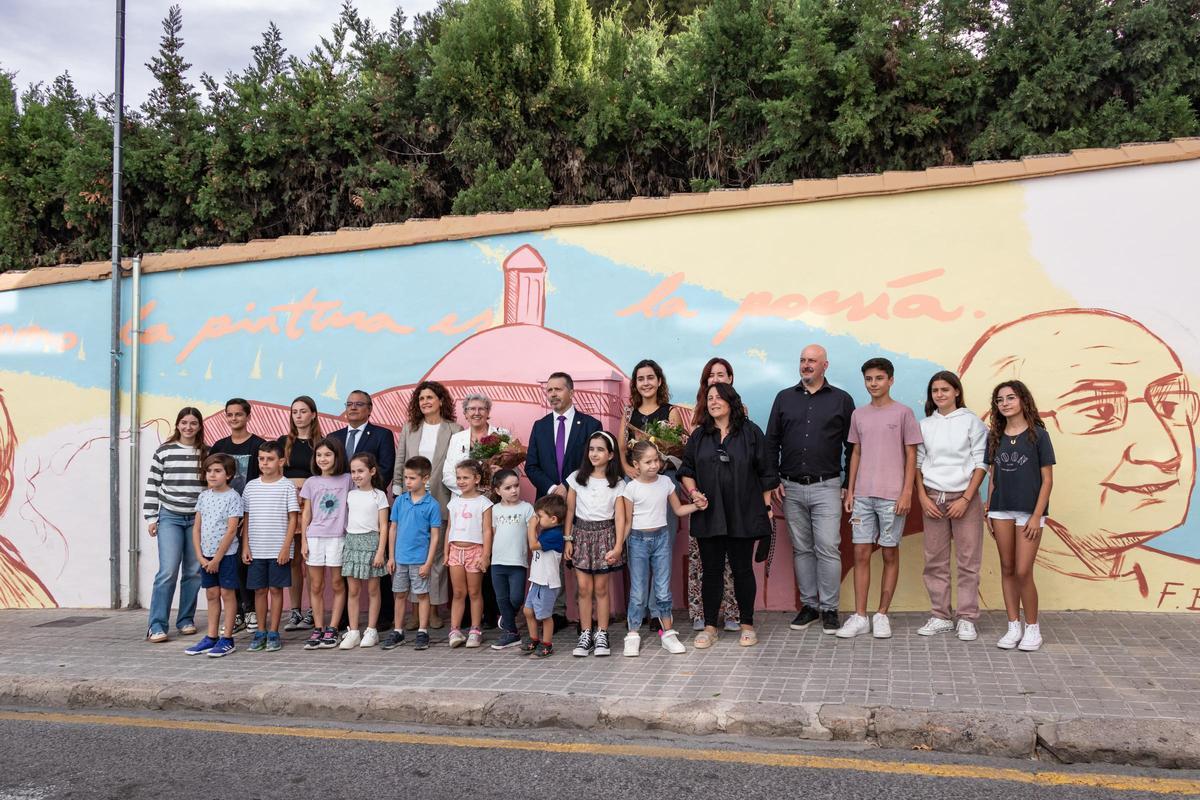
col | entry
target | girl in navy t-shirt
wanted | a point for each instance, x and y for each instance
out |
(1020, 475)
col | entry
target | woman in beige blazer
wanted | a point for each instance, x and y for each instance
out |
(427, 433)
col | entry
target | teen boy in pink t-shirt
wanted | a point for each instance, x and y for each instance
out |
(883, 466)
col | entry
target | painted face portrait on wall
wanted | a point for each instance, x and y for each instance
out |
(1122, 416)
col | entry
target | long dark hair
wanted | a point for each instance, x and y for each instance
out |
(700, 413)
(1029, 411)
(378, 481)
(201, 447)
(737, 409)
(612, 473)
(950, 378)
(663, 397)
(415, 417)
(340, 466)
(294, 433)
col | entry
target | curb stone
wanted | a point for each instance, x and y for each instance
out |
(1169, 744)
(967, 732)
(1160, 743)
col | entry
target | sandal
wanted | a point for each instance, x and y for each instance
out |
(704, 640)
(748, 638)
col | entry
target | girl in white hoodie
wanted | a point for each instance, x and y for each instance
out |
(950, 469)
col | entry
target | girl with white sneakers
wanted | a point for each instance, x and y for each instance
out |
(1021, 475)
(364, 558)
(642, 531)
(950, 470)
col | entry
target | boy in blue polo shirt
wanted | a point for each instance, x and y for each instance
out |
(412, 541)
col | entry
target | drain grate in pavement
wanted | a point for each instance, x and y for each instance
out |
(68, 622)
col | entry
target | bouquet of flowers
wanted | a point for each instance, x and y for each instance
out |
(499, 450)
(669, 439)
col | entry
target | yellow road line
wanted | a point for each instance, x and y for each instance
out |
(1120, 783)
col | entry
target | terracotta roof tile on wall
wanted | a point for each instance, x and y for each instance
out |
(419, 231)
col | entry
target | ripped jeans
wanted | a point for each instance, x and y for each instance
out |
(874, 520)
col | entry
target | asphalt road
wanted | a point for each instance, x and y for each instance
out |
(47, 755)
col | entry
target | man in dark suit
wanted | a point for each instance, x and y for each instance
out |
(361, 436)
(556, 447)
(558, 440)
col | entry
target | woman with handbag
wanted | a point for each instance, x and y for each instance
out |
(726, 464)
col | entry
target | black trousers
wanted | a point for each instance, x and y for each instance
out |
(714, 550)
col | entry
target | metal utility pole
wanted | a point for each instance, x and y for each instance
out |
(114, 396)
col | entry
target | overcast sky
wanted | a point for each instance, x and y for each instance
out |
(41, 39)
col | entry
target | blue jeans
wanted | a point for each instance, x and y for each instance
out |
(174, 551)
(649, 558)
(509, 583)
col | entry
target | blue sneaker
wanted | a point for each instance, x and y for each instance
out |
(507, 639)
(259, 642)
(202, 646)
(274, 642)
(223, 647)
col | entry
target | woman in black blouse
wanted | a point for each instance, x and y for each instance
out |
(649, 401)
(726, 463)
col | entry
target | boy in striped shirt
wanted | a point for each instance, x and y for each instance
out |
(272, 517)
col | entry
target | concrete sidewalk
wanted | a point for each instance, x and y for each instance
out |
(1112, 687)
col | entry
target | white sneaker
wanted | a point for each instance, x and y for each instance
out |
(854, 626)
(1009, 640)
(350, 640)
(934, 626)
(370, 638)
(633, 644)
(881, 626)
(1032, 640)
(671, 643)
(698, 624)
(966, 631)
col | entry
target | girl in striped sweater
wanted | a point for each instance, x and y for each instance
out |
(170, 509)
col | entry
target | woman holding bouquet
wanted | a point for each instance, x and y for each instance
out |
(477, 411)
(649, 403)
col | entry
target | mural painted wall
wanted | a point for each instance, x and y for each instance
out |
(1081, 285)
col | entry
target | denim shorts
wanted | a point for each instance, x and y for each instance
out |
(268, 573)
(874, 520)
(226, 575)
(407, 578)
(540, 600)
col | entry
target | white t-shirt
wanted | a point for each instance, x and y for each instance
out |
(595, 502)
(466, 519)
(428, 445)
(649, 502)
(545, 567)
(510, 533)
(362, 510)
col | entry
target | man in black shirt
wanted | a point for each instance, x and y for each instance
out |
(806, 436)
(243, 446)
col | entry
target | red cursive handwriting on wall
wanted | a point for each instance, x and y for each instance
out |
(855, 307)
(321, 315)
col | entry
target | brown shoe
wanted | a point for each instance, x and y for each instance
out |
(412, 623)
(435, 621)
